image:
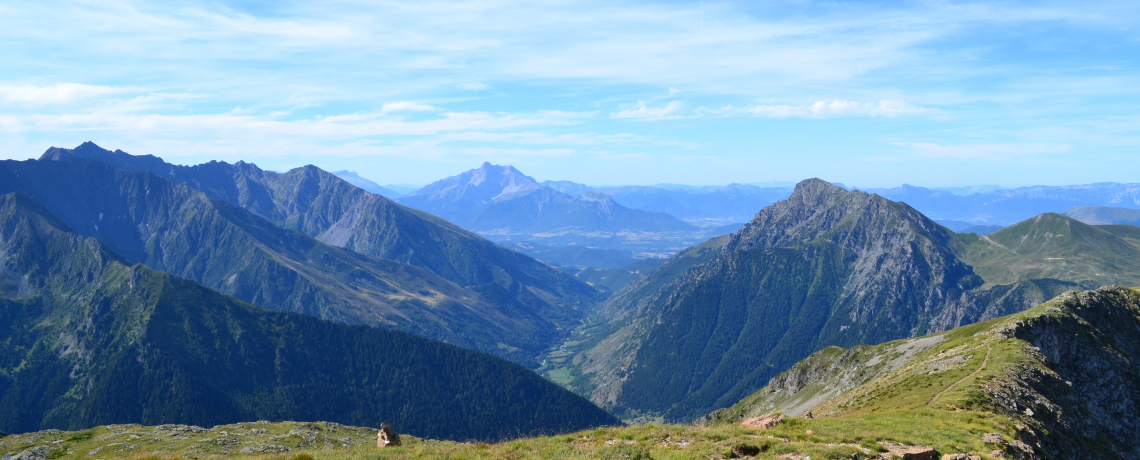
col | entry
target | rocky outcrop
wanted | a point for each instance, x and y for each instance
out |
(1079, 395)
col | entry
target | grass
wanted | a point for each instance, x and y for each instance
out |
(560, 375)
(831, 438)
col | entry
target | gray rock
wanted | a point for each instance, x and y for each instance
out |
(35, 453)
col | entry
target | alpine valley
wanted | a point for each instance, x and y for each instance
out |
(221, 310)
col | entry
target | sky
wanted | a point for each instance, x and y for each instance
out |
(871, 94)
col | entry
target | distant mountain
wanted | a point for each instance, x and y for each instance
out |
(174, 228)
(1104, 215)
(612, 279)
(89, 340)
(502, 199)
(824, 267)
(367, 185)
(325, 207)
(1008, 206)
(567, 187)
(1053, 246)
(1062, 375)
(981, 229)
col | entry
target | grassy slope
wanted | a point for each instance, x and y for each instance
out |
(1053, 246)
(996, 376)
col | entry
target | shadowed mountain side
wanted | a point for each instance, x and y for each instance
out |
(1053, 246)
(326, 207)
(172, 227)
(824, 267)
(87, 340)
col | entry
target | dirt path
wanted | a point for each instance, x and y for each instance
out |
(985, 361)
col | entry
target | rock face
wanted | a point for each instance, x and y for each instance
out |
(1082, 386)
(824, 267)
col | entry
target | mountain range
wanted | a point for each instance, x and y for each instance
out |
(88, 339)
(1007, 206)
(824, 267)
(307, 241)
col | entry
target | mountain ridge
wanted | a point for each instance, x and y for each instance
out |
(824, 267)
(89, 340)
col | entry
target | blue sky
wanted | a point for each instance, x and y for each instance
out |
(873, 94)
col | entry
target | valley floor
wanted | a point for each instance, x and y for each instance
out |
(867, 436)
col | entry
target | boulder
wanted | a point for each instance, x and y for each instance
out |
(920, 453)
(992, 438)
(910, 452)
(763, 422)
(35, 453)
(387, 437)
(961, 457)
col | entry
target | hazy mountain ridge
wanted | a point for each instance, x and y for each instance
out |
(171, 227)
(1104, 215)
(87, 340)
(1008, 206)
(365, 184)
(500, 198)
(824, 267)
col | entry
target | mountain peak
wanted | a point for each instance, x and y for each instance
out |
(594, 196)
(815, 191)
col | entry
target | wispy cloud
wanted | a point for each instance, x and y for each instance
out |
(405, 107)
(60, 93)
(982, 151)
(824, 109)
(644, 112)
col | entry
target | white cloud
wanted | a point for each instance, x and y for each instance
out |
(824, 109)
(643, 112)
(982, 151)
(405, 107)
(60, 93)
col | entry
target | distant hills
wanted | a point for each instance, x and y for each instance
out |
(824, 267)
(1063, 374)
(88, 339)
(1104, 215)
(218, 224)
(1007, 206)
